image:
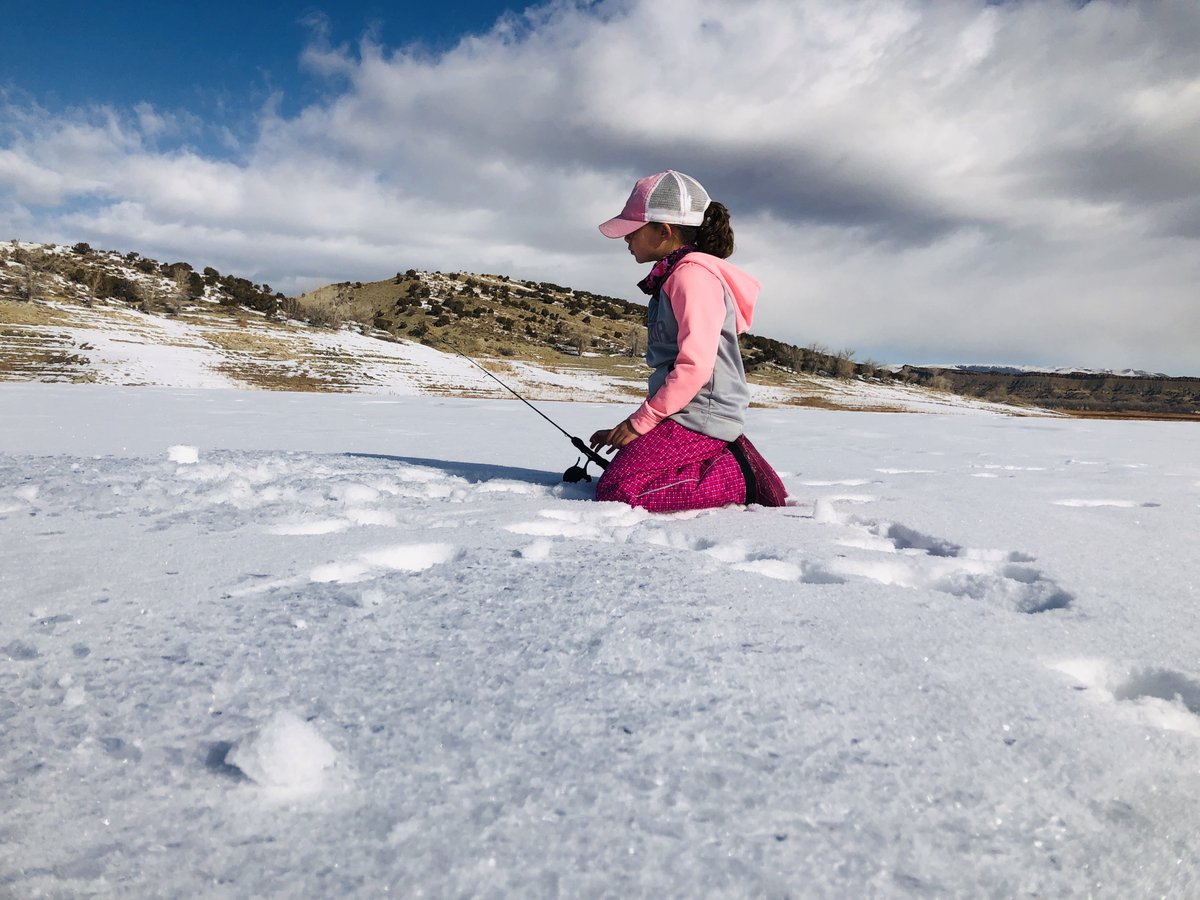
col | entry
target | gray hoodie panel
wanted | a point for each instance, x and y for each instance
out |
(719, 409)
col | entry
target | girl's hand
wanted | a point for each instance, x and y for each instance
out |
(616, 438)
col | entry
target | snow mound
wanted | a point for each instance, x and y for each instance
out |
(825, 513)
(287, 753)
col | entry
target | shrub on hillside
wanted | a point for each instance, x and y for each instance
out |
(118, 288)
(195, 285)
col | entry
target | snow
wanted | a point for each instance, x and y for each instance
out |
(183, 454)
(288, 753)
(268, 644)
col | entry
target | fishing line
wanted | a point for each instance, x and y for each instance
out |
(575, 441)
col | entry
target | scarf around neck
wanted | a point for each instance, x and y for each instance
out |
(653, 282)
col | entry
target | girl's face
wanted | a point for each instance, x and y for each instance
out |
(652, 242)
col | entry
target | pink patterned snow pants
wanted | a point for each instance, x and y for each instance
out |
(671, 468)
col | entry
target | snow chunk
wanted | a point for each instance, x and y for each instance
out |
(538, 551)
(287, 753)
(825, 513)
(74, 696)
(183, 454)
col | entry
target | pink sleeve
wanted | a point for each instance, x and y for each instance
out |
(698, 301)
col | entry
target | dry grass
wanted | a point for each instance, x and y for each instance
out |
(27, 355)
(771, 377)
(277, 379)
(255, 343)
(334, 305)
(1131, 416)
(449, 390)
(280, 361)
(45, 365)
(14, 312)
(809, 402)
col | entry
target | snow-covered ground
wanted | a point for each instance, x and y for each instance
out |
(269, 644)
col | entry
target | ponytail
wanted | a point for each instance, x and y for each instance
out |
(714, 235)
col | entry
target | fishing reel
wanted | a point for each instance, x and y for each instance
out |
(577, 473)
(580, 473)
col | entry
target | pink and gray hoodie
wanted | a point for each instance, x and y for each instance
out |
(693, 323)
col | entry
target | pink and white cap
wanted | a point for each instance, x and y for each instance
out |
(669, 196)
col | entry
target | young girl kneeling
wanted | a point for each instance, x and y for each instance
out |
(684, 447)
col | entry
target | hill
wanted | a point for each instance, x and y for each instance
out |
(83, 314)
(1092, 394)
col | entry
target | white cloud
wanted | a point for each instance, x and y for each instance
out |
(922, 181)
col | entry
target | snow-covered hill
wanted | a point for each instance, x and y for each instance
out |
(196, 337)
(262, 643)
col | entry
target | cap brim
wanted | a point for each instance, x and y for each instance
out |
(619, 228)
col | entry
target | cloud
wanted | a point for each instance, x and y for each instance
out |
(922, 181)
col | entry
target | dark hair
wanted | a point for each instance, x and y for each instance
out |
(714, 235)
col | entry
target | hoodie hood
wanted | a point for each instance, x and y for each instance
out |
(743, 287)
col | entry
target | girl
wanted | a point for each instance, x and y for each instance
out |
(684, 447)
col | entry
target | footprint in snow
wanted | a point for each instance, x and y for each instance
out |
(1159, 697)
(900, 555)
(738, 556)
(905, 557)
(924, 561)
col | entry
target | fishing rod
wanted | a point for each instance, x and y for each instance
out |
(575, 472)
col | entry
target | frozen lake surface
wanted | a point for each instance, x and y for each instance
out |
(329, 645)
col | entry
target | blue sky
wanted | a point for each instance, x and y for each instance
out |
(220, 61)
(950, 181)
